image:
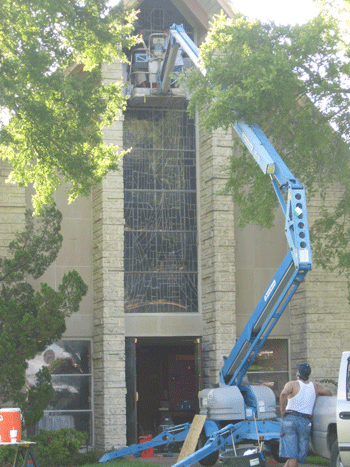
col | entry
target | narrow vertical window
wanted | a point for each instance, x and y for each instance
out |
(160, 212)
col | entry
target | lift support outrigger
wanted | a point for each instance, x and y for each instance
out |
(237, 412)
(170, 435)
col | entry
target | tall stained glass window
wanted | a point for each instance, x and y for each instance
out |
(160, 212)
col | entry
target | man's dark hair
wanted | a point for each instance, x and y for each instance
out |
(304, 371)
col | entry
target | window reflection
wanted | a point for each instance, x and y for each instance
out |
(69, 362)
(71, 393)
(270, 367)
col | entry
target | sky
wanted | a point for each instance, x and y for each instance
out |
(280, 11)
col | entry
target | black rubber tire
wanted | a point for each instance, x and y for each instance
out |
(212, 458)
(275, 447)
(335, 460)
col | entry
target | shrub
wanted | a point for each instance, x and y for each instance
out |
(7, 455)
(57, 448)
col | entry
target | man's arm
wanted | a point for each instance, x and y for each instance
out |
(322, 391)
(286, 391)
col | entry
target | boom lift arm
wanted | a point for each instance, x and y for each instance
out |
(293, 268)
(298, 259)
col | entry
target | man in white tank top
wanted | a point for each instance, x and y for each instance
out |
(297, 401)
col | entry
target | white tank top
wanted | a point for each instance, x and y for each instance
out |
(304, 401)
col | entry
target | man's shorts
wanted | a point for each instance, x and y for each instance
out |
(295, 437)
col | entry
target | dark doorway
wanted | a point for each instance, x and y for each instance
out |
(168, 376)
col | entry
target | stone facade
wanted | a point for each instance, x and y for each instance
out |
(319, 315)
(327, 323)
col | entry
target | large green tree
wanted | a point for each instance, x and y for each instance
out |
(294, 82)
(54, 134)
(30, 319)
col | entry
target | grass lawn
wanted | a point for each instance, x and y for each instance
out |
(316, 460)
(123, 463)
(313, 460)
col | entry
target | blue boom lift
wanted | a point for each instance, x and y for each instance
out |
(237, 412)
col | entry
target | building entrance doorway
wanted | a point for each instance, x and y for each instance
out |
(165, 383)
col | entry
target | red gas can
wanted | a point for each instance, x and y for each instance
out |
(147, 452)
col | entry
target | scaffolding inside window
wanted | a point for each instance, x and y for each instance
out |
(160, 253)
(158, 15)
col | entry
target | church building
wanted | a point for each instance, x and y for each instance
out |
(172, 279)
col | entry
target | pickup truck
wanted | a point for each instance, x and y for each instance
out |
(330, 436)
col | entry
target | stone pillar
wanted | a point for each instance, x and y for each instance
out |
(12, 209)
(320, 314)
(217, 254)
(108, 279)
